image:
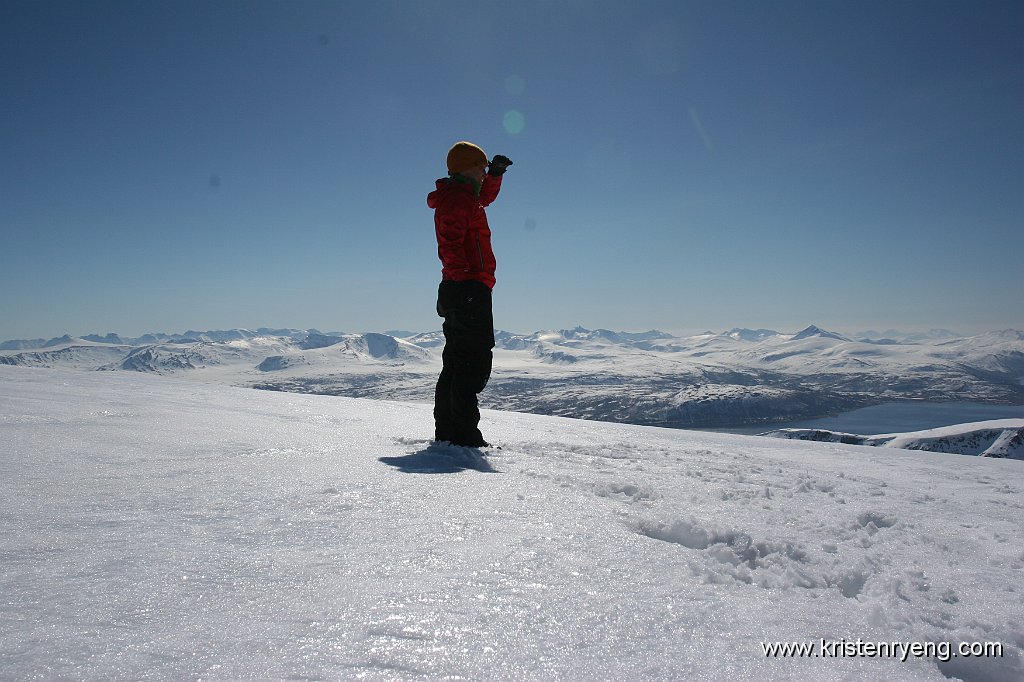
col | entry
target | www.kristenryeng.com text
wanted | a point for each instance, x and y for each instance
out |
(860, 648)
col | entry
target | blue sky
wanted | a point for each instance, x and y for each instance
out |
(678, 165)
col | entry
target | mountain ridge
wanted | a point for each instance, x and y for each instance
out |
(739, 377)
(650, 335)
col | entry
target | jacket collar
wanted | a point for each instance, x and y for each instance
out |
(463, 180)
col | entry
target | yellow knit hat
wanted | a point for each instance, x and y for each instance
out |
(465, 155)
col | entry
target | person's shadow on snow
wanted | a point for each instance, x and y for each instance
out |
(443, 459)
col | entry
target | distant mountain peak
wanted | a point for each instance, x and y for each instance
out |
(59, 341)
(817, 331)
(111, 338)
(750, 334)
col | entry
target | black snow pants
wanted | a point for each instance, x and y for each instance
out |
(468, 340)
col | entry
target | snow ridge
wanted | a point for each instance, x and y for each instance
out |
(1001, 438)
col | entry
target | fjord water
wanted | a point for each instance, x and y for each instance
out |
(894, 418)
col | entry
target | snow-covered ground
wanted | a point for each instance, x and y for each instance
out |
(155, 528)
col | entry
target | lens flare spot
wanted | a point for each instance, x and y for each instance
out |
(514, 122)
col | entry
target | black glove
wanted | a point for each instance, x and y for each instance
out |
(499, 164)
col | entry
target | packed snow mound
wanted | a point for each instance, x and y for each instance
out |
(1000, 438)
(155, 526)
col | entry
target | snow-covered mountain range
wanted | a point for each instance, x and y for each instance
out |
(157, 528)
(741, 376)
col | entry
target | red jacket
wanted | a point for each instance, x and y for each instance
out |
(460, 223)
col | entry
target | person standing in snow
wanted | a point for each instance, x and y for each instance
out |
(464, 295)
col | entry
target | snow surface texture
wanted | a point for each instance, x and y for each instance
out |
(154, 528)
(995, 438)
(734, 378)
